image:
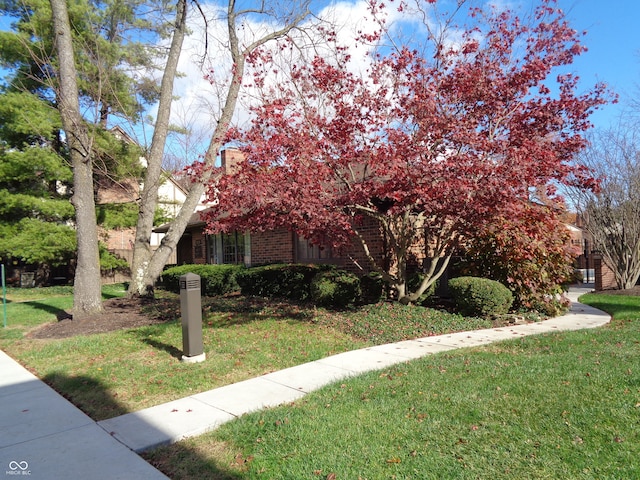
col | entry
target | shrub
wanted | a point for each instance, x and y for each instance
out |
(480, 297)
(111, 261)
(552, 306)
(215, 279)
(335, 289)
(280, 280)
(530, 253)
(372, 288)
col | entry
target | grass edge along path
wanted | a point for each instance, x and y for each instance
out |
(111, 374)
(562, 405)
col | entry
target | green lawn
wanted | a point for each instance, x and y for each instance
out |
(119, 372)
(563, 405)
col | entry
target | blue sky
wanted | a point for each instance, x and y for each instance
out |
(613, 40)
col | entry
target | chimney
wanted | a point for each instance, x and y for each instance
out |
(230, 159)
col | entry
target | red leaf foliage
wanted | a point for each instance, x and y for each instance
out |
(428, 146)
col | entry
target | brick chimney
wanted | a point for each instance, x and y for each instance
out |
(230, 159)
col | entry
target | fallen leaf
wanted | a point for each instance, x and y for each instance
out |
(393, 460)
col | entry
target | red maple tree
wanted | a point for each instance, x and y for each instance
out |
(427, 145)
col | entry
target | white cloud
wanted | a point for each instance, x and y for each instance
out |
(206, 71)
(206, 66)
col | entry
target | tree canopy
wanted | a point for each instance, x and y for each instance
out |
(112, 73)
(428, 143)
(611, 214)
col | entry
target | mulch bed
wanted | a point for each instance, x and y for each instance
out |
(635, 292)
(118, 314)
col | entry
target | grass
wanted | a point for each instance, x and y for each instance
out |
(114, 373)
(30, 307)
(563, 405)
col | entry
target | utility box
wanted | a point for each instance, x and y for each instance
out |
(191, 312)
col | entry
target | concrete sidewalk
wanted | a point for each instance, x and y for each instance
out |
(203, 412)
(44, 434)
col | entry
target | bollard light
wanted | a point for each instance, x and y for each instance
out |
(191, 311)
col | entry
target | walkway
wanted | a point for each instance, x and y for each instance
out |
(44, 434)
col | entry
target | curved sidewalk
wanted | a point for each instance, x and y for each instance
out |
(44, 436)
(203, 412)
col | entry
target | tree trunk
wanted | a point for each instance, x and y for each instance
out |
(87, 297)
(148, 265)
(140, 284)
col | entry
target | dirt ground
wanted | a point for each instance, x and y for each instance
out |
(635, 291)
(119, 313)
(123, 313)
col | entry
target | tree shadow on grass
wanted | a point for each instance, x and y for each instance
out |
(177, 461)
(170, 349)
(58, 312)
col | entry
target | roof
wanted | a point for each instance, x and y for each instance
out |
(194, 221)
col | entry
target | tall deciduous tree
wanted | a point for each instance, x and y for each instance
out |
(427, 145)
(612, 214)
(87, 73)
(87, 296)
(148, 264)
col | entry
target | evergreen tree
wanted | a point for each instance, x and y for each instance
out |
(90, 72)
(35, 179)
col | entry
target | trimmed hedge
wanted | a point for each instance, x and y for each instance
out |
(479, 297)
(324, 285)
(335, 289)
(214, 279)
(280, 280)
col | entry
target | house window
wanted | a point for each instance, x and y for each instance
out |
(198, 251)
(307, 252)
(227, 248)
(233, 248)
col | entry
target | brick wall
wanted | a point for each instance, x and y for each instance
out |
(124, 191)
(121, 239)
(279, 247)
(272, 247)
(229, 159)
(353, 257)
(605, 278)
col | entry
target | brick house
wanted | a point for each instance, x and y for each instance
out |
(260, 248)
(590, 263)
(172, 193)
(284, 246)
